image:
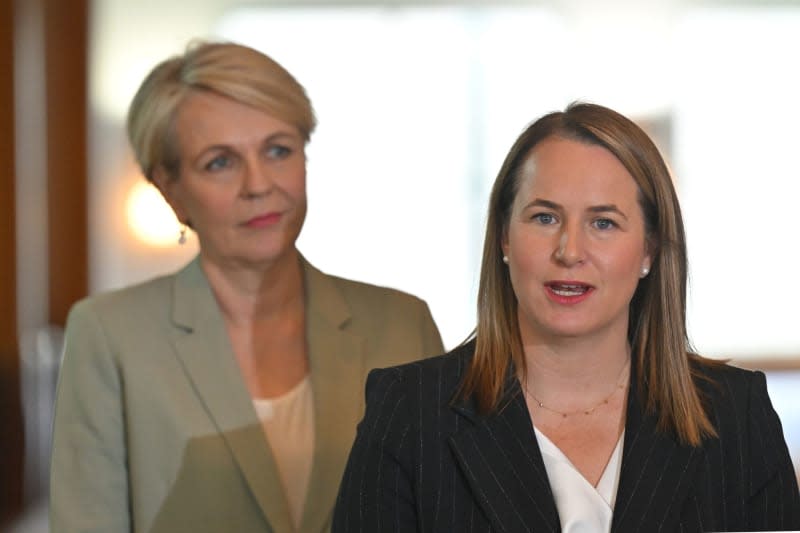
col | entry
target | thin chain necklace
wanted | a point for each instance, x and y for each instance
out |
(587, 411)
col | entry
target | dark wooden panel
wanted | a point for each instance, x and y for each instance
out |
(10, 415)
(65, 70)
(64, 43)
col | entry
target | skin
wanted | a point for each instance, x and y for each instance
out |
(577, 220)
(241, 186)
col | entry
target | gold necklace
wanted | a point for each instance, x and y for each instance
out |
(586, 411)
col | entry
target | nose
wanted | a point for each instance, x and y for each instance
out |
(569, 250)
(257, 179)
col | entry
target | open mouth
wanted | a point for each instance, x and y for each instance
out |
(569, 289)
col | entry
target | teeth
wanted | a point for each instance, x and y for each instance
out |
(569, 290)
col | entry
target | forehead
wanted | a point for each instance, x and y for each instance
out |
(206, 118)
(571, 172)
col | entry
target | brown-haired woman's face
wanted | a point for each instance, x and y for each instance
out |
(242, 179)
(575, 242)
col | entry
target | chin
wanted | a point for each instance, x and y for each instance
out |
(272, 256)
(568, 333)
(565, 329)
(262, 256)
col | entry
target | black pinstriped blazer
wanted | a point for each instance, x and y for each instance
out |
(421, 463)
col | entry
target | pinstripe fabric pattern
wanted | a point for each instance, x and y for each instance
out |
(423, 463)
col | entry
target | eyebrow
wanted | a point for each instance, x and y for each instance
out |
(280, 134)
(266, 140)
(603, 208)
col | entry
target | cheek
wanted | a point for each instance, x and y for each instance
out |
(208, 209)
(298, 186)
(528, 254)
(292, 175)
(298, 191)
(625, 263)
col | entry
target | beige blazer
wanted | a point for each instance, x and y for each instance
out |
(155, 431)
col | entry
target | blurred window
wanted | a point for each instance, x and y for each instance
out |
(418, 106)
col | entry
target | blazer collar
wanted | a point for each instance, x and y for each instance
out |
(193, 302)
(503, 465)
(656, 475)
(203, 347)
(502, 462)
(336, 356)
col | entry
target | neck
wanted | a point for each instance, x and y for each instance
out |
(568, 373)
(247, 294)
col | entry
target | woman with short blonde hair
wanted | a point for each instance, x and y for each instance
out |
(223, 397)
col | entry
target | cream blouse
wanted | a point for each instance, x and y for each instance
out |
(288, 422)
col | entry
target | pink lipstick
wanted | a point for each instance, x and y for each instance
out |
(263, 221)
(568, 292)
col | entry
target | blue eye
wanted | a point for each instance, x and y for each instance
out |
(218, 163)
(544, 218)
(604, 223)
(278, 151)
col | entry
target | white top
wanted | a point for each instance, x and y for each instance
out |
(582, 508)
(288, 422)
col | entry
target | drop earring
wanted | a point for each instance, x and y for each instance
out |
(182, 235)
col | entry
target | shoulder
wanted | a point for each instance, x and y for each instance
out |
(410, 394)
(750, 441)
(127, 301)
(394, 325)
(732, 395)
(739, 406)
(359, 294)
(354, 292)
(136, 315)
(147, 300)
(723, 383)
(437, 377)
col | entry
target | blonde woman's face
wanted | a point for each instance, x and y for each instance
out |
(576, 243)
(242, 179)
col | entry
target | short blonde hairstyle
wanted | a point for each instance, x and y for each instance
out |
(227, 69)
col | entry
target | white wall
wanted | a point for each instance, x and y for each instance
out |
(418, 107)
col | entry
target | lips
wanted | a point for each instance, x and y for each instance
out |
(569, 289)
(568, 292)
(266, 219)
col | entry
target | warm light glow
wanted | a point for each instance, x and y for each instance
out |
(150, 217)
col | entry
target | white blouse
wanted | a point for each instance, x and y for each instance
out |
(288, 422)
(582, 508)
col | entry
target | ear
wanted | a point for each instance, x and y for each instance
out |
(647, 261)
(645, 270)
(166, 185)
(504, 241)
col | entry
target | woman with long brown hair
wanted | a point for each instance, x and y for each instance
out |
(579, 404)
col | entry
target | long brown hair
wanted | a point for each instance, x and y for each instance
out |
(657, 319)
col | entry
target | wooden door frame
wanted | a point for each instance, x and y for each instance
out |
(64, 40)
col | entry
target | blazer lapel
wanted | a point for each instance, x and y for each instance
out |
(337, 372)
(657, 473)
(204, 350)
(500, 458)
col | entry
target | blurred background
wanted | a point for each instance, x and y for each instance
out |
(417, 103)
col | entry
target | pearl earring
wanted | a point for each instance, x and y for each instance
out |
(645, 271)
(505, 259)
